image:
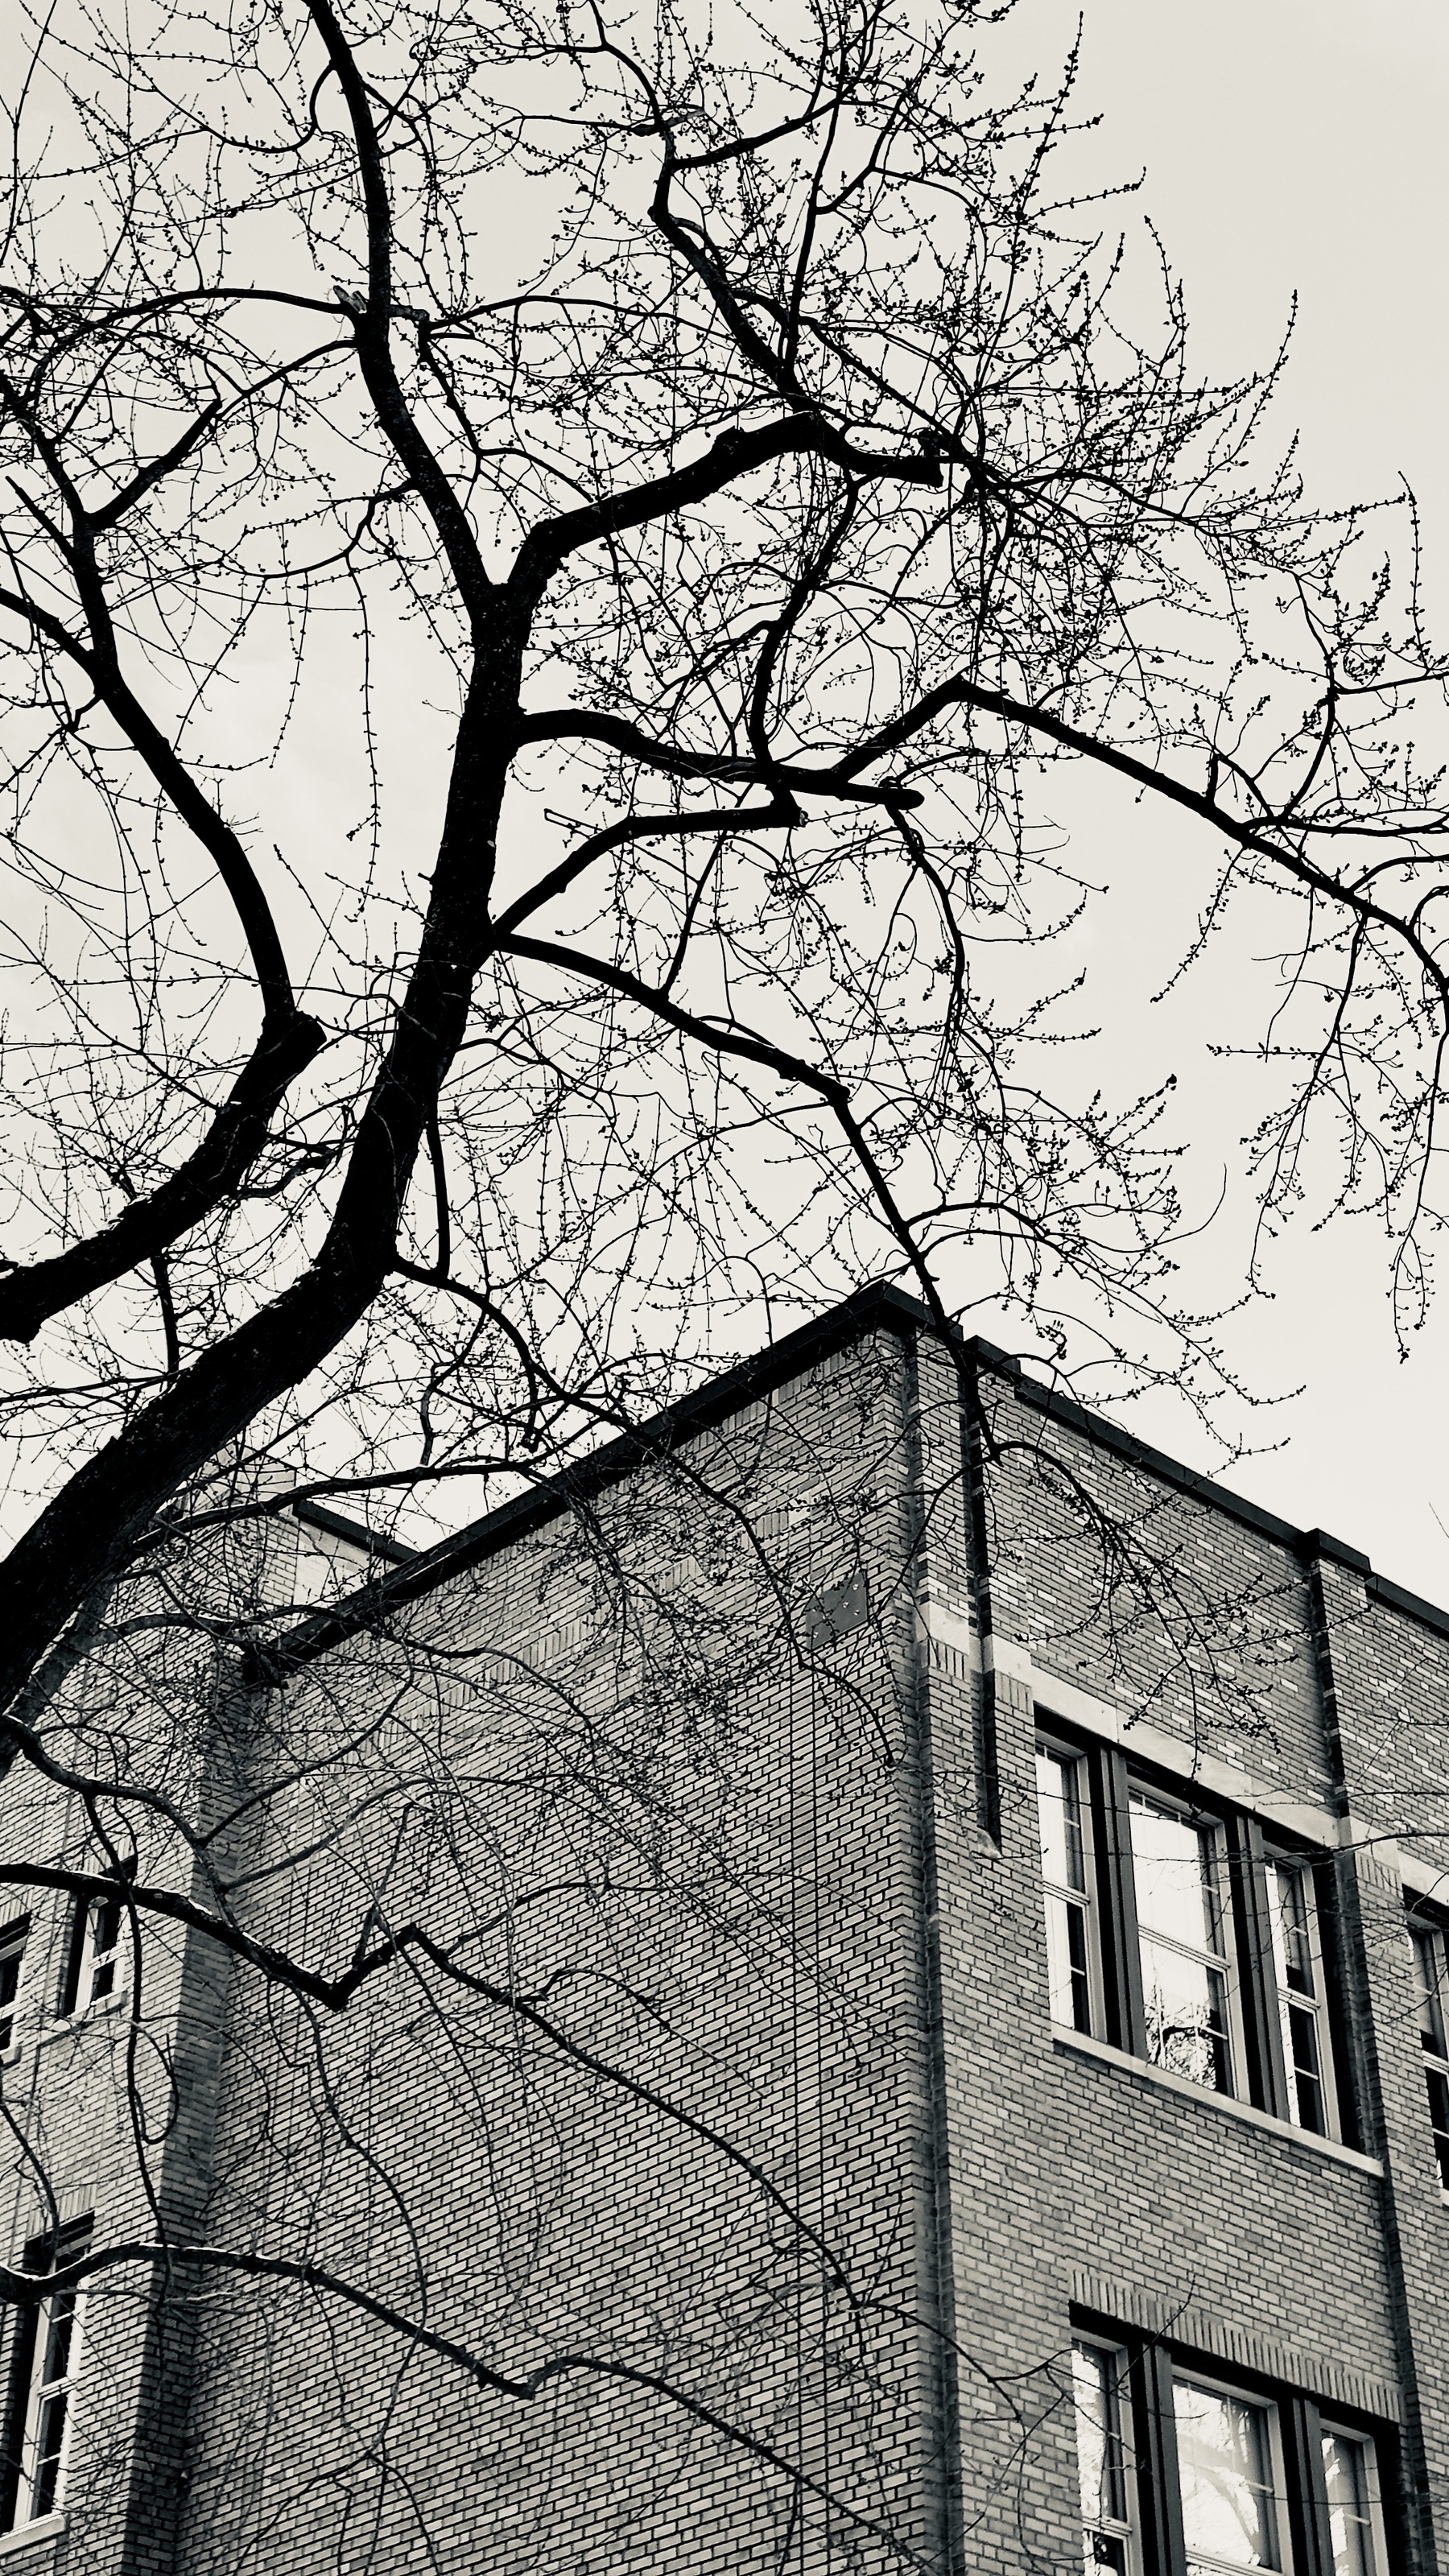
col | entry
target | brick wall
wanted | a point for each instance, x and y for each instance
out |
(724, 2123)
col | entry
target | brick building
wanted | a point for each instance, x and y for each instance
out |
(905, 2027)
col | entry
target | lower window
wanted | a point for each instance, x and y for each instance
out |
(1355, 2510)
(1230, 2477)
(1104, 2457)
(1181, 2471)
(44, 2366)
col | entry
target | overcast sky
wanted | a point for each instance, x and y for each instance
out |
(1299, 144)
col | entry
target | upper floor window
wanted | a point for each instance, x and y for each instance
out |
(1062, 1821)
(1172, 1931)
(1429, 1976)
(93, 1951)
(1178, 1870)
(1298, 1967)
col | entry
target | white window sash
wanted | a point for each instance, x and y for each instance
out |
(40, 2392)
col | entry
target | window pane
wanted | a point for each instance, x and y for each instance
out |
(1059, 1813)
(1292, 1938)
(1426, 1971)
(1101, 2467)
(1439, 2119)
(1305, 2074)
(50, 2440)
(1225, 2468)
(1185, 2002)
(1350, 2515)
(1174, 1865)
(1067, 1978)
(56, 2361)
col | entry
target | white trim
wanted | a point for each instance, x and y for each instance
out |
(49, 2527)
(1237, 1786)
(941, 1620)
(948, 1622)
(1288, 2130)
(1418, 1874)
(1003, 1655)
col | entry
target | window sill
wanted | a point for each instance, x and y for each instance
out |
(1076, 2042)
(48, 2526)
(66, 2024)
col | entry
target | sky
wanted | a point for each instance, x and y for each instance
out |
(1287, 147)
(1297, 146)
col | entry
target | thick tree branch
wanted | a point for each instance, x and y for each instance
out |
(151, 1222)
(735, 453)
(569, 724)
(101, 666)
(372, 322)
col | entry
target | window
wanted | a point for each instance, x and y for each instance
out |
(1172, 1932)
(44, 2370)
(1061, 1817)
(13, 1937)
(1355, 2514)
(1429, 1976)
(1178, 1871)
(1230, 2479)
(1104, 2462)
(1182, 2471)
(93, 1952)
(1298, 1968)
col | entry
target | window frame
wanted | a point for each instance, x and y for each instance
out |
(1150, 2368)
(1187, 2374)
(1224, 1963)
(14, 1944)
(1261, 2070)
(31, 2391)
(1127, 2527)
(1336, 2428)
(1288, 2000)
(1057, 1748)
(1427, 1933)
(85, 1959)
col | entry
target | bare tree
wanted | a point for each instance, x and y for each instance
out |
(546, 558)
(691, 484)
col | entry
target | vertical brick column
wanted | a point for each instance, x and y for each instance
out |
(1378, 1738)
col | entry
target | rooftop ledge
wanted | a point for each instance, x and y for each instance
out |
(878, 1307)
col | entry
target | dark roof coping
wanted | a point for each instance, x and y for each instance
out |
(1318, 1542)
(356, 1533)
(1409, 1605)
(880, 1305)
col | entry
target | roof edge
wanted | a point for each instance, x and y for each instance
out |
(879, 1305)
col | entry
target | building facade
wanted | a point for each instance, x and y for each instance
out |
(859, 1985)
